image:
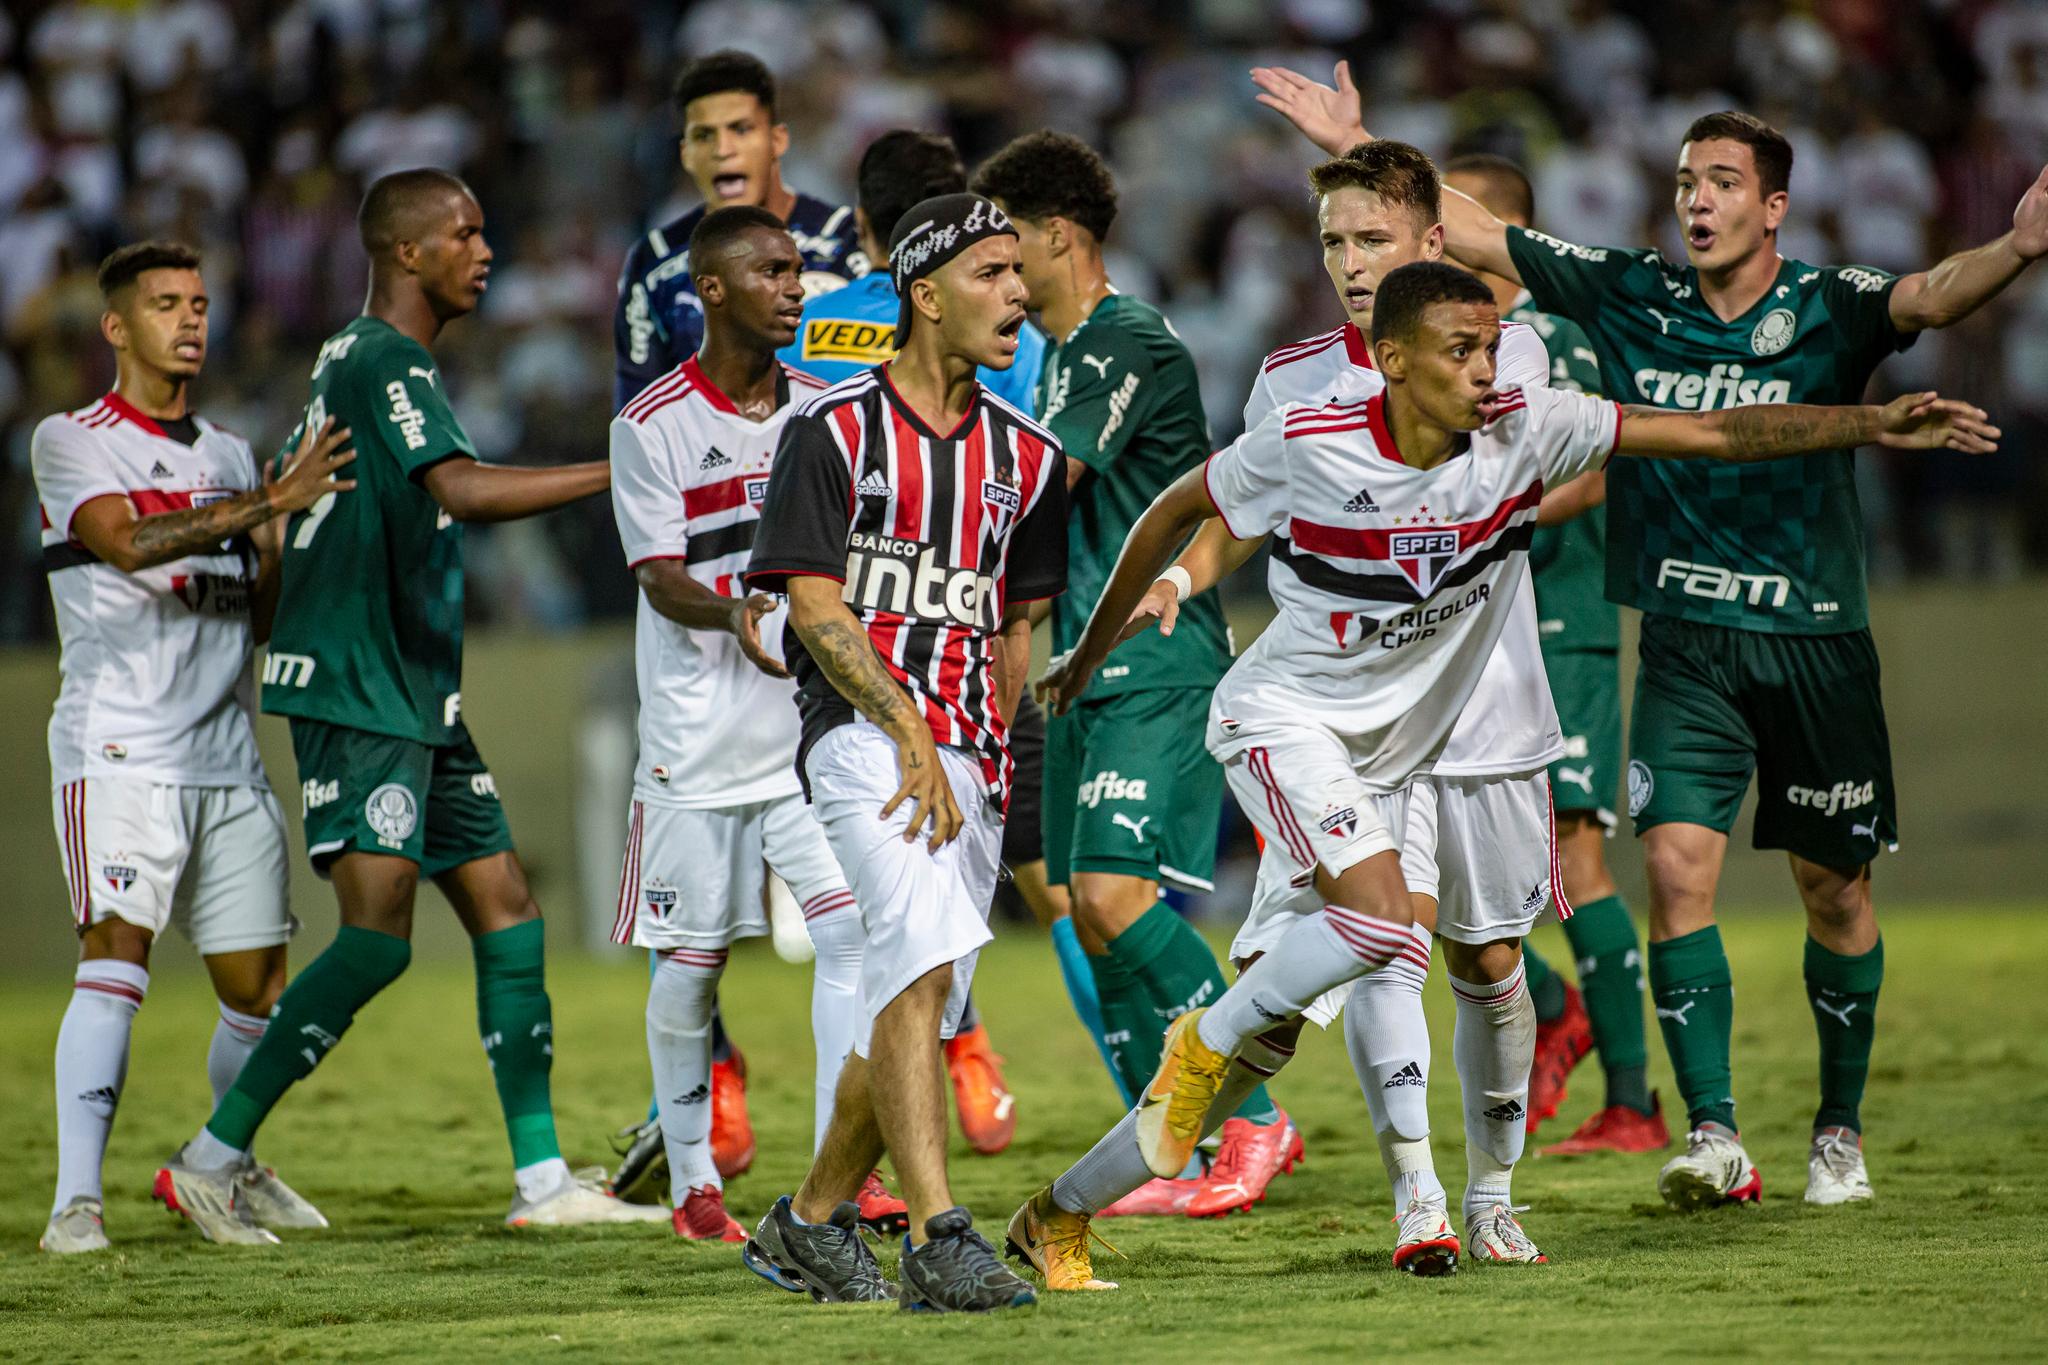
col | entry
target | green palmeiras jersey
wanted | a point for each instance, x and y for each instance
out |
(369, 616)
(1120, 393)
(1776, 546)
(1568, 563)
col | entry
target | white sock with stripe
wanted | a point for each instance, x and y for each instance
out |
(92, 1066)
(679, 1003)
(234, 1038)
(1324, 951)
(1388, 1039)
(1494, 1044)
(838, 938)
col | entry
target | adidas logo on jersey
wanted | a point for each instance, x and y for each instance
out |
(714, 458)
(1362, 501)
(1410, 1074)
(159, 471)
(872, 485)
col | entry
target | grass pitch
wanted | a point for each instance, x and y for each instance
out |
(397, 1138)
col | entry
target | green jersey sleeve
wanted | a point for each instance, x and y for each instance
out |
(1097, 393)
(416, 427)
(1563, 277)
(1859, 301)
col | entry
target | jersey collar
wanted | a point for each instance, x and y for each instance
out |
(1355, 347)
(133, 414)
(1376, 422)
(909, 414)
(717, 398)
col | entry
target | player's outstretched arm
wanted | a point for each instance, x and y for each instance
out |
(1166, 524)
(109, 527)
(682, 599)
(847, 658)
(1328, 116)
(1770, 431)
(1574, 499)
(1212, 556)
(1966, 281)
(470, 490)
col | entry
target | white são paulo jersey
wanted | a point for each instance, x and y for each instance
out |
(155, 664)
(1510, 724)
(1393, 583)
(688, 476)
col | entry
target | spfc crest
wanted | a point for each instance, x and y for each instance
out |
(1423, 556)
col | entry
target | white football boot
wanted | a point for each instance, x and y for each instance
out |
(271, 1202)
(1494, 1234)
(580, 1200)
(209, 1201)
(1425, 1244)
(1712, 1170)
(1834, 1168)
(78, 1226)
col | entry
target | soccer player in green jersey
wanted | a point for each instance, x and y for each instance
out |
(1132, 798)
(1580, 632)
(366, 660)
(1756, 656)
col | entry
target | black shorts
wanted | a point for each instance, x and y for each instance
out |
(1023, 827)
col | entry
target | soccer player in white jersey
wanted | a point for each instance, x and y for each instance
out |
(1389, 611)
(715, 789)
(160, 540)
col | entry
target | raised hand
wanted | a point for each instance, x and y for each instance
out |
(2030, 220)
(1327, 115)
(309, 475)
(746, 628)
(1926, 421)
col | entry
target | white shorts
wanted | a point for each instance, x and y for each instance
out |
(922, 909)
(210, 860)
(1486, 849)
(694, 878)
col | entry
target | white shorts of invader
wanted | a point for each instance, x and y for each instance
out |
(695, 878)
(1485, 848)
(921, 909)
(210, 860)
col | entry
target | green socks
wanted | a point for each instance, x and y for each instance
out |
(311, 1015)
(1128, 1038)
(1172, 965)
(1603, 939)
(1843, 993)
(517, 1024)
(1695, 1002)
(1546, 988)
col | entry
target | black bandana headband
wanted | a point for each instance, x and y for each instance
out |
(933, 233)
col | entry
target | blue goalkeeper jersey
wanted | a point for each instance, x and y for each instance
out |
(854, 329)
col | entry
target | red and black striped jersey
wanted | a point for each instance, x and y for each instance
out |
(932, 535)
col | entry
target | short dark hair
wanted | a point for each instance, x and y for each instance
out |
(392, 209)
(718, 229)
(1408, 291)
(1508, 188)
(1045, 175)
(1769, 147)
(900, 170)
(125, 265)
(1396, 172)
(714, 73)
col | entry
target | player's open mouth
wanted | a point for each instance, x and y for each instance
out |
(1358, 300)
(729, 186)
(1010, 329)
(1699, 237)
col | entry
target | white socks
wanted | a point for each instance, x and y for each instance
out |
(234, 1038)
(679, 1001)
(1113, 1167)
(1324, 951)
(92, 1065)
(838, 938)
(542, 1177)
(1495, 1044)
(1388, 1039)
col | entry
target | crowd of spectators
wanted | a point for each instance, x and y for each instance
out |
(249, 127)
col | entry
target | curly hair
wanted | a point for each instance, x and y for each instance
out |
(1045, 175)
(717, 72)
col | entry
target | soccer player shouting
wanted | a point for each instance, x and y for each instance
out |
(715, 790)
(1388, 614)
(160, 539)
(912, 519)
(366, 660)
(1756, 649)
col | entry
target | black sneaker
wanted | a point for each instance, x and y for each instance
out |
(643, 1163)
(828, 1261)
(957, 1271)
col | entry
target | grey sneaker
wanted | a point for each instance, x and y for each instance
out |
(209, 1201)
(643, 1163)
(828, 1261)
(78, 1226)
(272, 1203)
(957, 1271)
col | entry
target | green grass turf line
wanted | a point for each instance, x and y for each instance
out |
(396, 1137)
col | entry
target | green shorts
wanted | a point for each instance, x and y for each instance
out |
(1131, 789)
(369, 793)
(1586, 685)
(1803, 712)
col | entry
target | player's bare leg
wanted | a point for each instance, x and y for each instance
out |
(92, 1066)
(907, 1087)
(1494, 1043)
(1691, 988)
(1844, 969)
(810, 1242)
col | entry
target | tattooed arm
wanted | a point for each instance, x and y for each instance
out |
(110, 528)
(841, 649)
(1769, 431)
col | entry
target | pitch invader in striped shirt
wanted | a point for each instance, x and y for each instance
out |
(1388, 613)
(715, 790)
(913, 518)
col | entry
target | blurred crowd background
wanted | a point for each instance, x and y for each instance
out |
(249, 127)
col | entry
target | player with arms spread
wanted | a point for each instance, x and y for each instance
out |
(160, 539)
(913, 519)
(366, 661)
(1756, 650)
(1387, 617)
(1132, 797)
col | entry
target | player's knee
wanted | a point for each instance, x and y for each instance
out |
(1483, 964)
(116, 940)
(1681, 879)
(1105, 904)
(1836, 900)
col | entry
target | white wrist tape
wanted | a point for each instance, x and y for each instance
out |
(1182, 583)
